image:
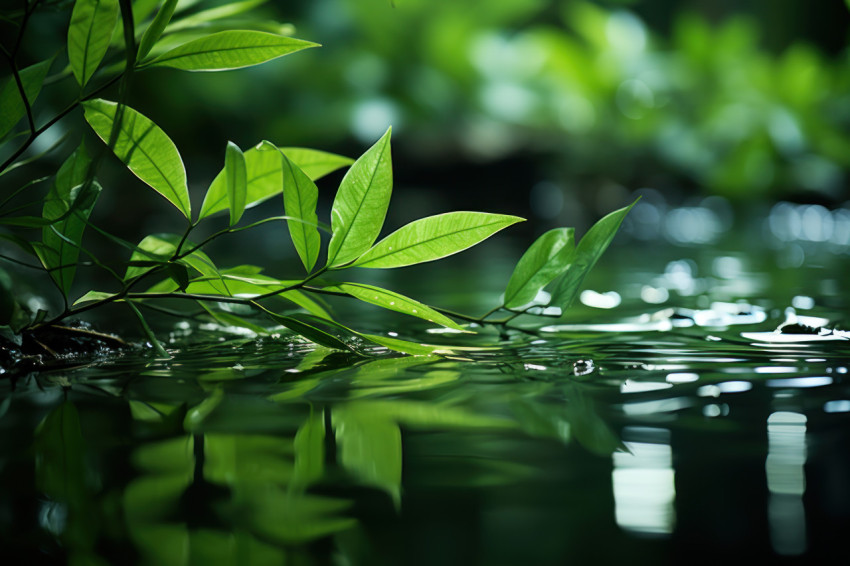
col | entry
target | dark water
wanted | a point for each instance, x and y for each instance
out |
(678, 427)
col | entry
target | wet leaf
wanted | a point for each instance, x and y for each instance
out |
(231, 49)
(89, 34)
(544, 260)
(144, 148)
(395, 302)
(434, 237)
(361, 203)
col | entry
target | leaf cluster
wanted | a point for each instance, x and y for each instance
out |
(167, 267)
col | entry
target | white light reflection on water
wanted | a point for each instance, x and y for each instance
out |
(643, 482)
(786, 457)
(607, 300)
(837, 406)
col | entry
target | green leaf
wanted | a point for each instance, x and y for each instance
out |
(220, 12)
(300, 196)
(155, 29)
(544, 260)
(265, 174)
(434, 237)
(89, 34)
(315, 164)
(229, 285)
(406, 346)
(394, 302)
(143, 147)
(93, 296)
(589, 250)
(316, 330)
(229, 50)
(236, 177)
(71, 199)
(361, 204)
(230, 319)
(12, 107)
(158, 249)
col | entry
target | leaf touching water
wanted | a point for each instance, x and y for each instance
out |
(143, 147)
(236, 177)
(544, 260)
(92, 24)
(361, 203)
(394, 302)
(434, 237)
(589, 250)
(231, 49)
(300, 196)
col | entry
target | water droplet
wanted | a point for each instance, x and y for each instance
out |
(583, 367)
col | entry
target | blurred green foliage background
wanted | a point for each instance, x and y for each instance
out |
(748, 100)
(557, 110)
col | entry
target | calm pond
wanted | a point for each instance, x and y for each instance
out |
(676, 427)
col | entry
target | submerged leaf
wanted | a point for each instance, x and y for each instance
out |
(588, 252)
(361, 203)
(143, 147)
(231, 49)
(433, 238)
(89, 34)
(544, 260)
(300, 196)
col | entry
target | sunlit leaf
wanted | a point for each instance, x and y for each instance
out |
(395, 302)
(12, 107)
(89, 34)
(361, 204)
(249, 287)
(265, 174)
(219, 12)
(591, 247)
(236, 181)
(156, 27)
(71, 198)
(315, 164)
(93, 296)
(300, 196)
(544, 260)
(143, 147)
(405, 346)
(229, 50)
(434, 237)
